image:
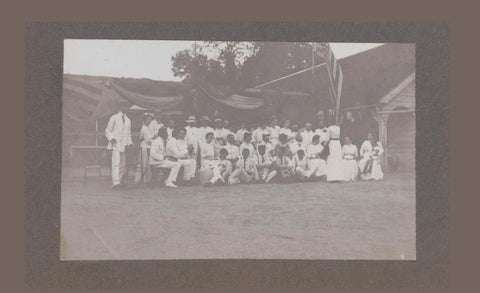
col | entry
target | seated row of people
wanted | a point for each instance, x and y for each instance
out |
(229, 163)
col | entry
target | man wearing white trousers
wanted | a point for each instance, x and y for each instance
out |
(118, 133)
(177, 147)
(159, 159)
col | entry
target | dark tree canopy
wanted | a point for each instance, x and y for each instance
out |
(244, 64)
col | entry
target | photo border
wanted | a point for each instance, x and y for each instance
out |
(43, 92)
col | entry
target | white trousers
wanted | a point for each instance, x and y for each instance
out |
(189, 167)
(306, 173)
(118, 166)
(240, 176)
(319, 165)
(173, 166)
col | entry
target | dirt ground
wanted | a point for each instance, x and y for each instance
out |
(359, 220)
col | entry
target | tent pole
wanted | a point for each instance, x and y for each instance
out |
(313, 69)
(96, 143)
(290, 75)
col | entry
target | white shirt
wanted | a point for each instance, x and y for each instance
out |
(322, 133)
(169, 131)
(264, 161)
(119, 128)
(224, 132)
(314, 150)
(307, 137)
(334, 132)
(146, 137)
(202, 132)
(207, 150)
(233, 151)
(154, 127)
(297, 162)
(158, 150)
(349, 151)
(249, 165)
(192, 135)
(240, 133)
(296, 145)
(287, 131)
(274, 133)
(268, 146)
(248, 146)
(365, 148)
(175, 149)
(257, 135)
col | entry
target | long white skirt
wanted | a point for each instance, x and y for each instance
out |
(350, 170)
(376, 171)
(335, 161)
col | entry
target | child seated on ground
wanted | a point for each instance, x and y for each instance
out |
(301, 167)
(281, 167)
(224, 167)
(246, 171)
(264, 160)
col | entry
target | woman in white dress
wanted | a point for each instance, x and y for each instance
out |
(334, 159)
(350, 165)
(316, 165)
(146, 136)
(370, 164)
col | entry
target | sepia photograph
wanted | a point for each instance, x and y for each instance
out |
(197, 149)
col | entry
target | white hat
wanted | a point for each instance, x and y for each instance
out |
(191, 119)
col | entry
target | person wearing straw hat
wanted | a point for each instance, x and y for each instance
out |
(192, 132)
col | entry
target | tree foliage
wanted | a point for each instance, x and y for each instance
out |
(241, 63)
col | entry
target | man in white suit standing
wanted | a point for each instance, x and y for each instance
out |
(118, 133)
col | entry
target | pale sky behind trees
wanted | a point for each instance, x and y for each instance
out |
(146, 59)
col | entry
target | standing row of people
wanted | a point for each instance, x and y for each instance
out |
(210, 152)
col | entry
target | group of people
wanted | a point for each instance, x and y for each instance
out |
(210, 152)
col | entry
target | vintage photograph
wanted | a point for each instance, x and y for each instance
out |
(199, 149)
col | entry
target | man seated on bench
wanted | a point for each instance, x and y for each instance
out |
(159, 159)
(177, 147)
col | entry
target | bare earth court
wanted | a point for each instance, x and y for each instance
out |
(359, 220)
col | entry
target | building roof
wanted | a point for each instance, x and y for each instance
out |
(368, 76)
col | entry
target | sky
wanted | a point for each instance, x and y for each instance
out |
(146, 59)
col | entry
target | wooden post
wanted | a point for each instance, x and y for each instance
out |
(382, 120)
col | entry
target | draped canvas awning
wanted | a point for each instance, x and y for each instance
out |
(149, 102)
(87, 98)
(232, 97)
